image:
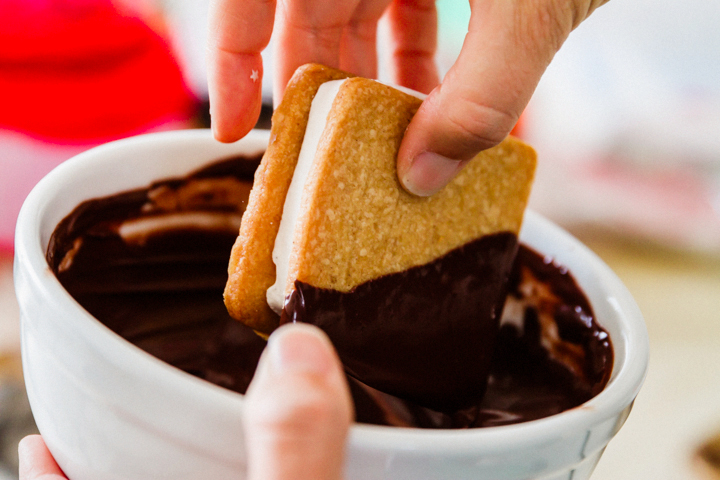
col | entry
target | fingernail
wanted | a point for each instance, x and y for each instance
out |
(429, 173)
(299, 348)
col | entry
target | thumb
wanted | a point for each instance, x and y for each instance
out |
(298, 408)
(36, 461)
(508, 47)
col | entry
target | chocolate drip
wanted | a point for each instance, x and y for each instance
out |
(162, 291)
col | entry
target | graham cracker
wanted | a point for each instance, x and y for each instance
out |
(251, 270)
(357, 223)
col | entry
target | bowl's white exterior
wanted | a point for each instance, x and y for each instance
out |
(108, 410)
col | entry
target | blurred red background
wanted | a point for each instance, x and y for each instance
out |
(74, 74)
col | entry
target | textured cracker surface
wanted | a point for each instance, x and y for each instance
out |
(251, 270)
(357, 223)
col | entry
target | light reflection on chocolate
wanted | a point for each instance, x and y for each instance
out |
(164, 294)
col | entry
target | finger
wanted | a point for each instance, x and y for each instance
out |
(238, 32)
(308, 32)
(298, 408)
(507, 48)
(36, 462)
(413, 32)
(358, 47)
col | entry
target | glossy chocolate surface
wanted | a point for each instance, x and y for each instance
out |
(159, 285)
(426, 334)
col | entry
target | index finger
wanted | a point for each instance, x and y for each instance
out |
(238, 31)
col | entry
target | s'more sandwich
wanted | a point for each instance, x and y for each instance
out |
(409, 289)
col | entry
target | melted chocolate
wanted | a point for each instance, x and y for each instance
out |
(161, 289)
(426, 334)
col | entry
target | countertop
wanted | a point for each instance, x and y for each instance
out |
(678, 408)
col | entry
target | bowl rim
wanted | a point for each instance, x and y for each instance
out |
(622, 388)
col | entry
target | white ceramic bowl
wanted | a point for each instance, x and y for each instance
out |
(108, 410)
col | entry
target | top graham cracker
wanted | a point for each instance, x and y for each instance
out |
(357, 223)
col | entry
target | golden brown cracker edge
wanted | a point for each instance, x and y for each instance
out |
(251, 270)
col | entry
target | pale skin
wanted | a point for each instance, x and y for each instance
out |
(298, 408)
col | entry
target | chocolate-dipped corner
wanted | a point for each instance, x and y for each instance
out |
(426, 334)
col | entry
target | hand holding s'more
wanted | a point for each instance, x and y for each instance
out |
(409, 289)
(506, 50)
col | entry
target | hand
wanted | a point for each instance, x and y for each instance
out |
(297, 413)
(36, 462)
(298, 409)
(508, 47)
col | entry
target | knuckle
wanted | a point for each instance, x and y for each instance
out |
(549, 22)
(478, 124)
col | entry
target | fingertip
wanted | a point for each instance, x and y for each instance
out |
(424, 166)
(298, 367)
(35, 460)
(231, 131)
(428, 173)
(235, 92)
(301, 348)
(232, 120)
(446, 132)
(30, 447)
(230, 124)
(223, 135)
(298, 408)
